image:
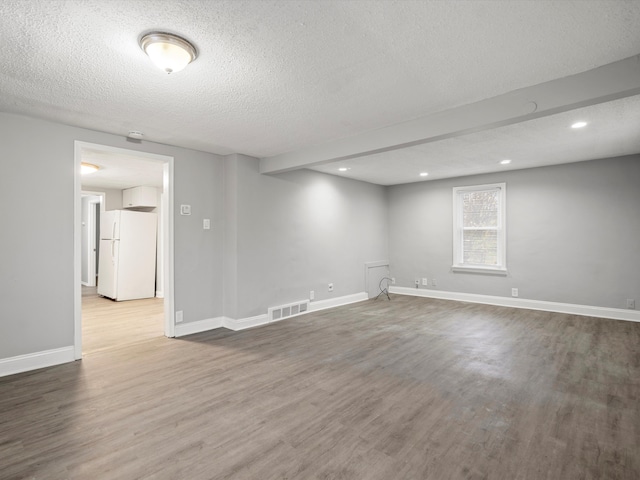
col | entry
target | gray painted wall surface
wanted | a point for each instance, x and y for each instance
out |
(572, 233)
(31, 266)
(299, 231)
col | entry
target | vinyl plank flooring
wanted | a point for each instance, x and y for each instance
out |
(410, 388)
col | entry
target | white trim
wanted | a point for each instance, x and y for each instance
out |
(159, 294)
(34, 361)
(234, 324)
(168, 162)
(337, 302)
(190, 328)
(574, 309)
(501, 229)
(486, 270)
(244, 323)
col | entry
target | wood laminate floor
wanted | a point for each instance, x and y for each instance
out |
(109, 324)
(413, 388)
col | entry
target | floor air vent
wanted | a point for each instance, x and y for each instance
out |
(288, 310)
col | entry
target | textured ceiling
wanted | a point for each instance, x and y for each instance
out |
(278, 76)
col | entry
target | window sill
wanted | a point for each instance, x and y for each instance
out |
(485, 270)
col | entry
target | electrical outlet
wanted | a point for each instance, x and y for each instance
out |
(514, 292)
(631, 304)
(425, 282)
(434, 283)
(393, 280)
(206, 224)
(179, 316)
(331, 287)
(312, 295)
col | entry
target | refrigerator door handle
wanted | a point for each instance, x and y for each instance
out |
(113, 234)
(113, 252)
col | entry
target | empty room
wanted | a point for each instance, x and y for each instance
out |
(331, 239)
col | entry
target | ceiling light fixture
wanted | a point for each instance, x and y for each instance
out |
(343, 169)
(87, 168)
(169, 52)
(579, 125)
(506, 161)
(135, 135)
(424, 174)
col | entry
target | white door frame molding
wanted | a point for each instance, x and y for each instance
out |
(167, 220)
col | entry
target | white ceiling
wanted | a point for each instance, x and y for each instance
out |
(120, 171)
(613, 129)
(276, 76)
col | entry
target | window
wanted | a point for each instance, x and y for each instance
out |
(479, 228)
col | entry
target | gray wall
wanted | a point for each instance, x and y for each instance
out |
(32, 267)
(572, 233)
(298, 231)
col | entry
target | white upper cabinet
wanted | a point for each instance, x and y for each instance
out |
(138, 197)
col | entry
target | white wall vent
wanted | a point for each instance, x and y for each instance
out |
(288, 310)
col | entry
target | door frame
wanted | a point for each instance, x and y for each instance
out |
(91, 232)
(167, 235)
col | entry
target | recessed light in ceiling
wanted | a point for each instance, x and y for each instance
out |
(87, 168)
(343, 169)
(424, 174)
(506, 161)
(169, 52)
(579, 125)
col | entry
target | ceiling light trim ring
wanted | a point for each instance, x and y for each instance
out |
(153, 38)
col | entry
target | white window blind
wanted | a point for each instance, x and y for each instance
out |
(479, 227)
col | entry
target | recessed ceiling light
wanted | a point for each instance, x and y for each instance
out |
(87, 168)
(424, 174)
(506, 161)
(169, 52)
(579, 125)
(343, 169)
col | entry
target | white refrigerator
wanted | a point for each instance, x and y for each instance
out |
(127, 261)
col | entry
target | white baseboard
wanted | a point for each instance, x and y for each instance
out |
(236, 324)
(159, 294)
(190, 328)
(337, 302)
(586, 310)
(34, 361)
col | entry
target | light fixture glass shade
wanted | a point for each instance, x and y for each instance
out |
(169, 52)
(87, 168)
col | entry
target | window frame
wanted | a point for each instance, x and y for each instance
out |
(458, 254)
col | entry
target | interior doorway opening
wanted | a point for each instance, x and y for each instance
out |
(101, 321)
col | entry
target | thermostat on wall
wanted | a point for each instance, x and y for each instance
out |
(185, 209)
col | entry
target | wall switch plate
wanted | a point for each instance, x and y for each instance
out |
(631, 303)
(514, 292)
(185, 209)
(179, 316)
(312, 295)
(393, 280)
(206, 224)
(331, 287)
(425, 282)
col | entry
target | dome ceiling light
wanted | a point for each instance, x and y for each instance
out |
(87, 168)
(169, 52)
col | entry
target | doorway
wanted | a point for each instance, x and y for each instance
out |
(121, 169)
